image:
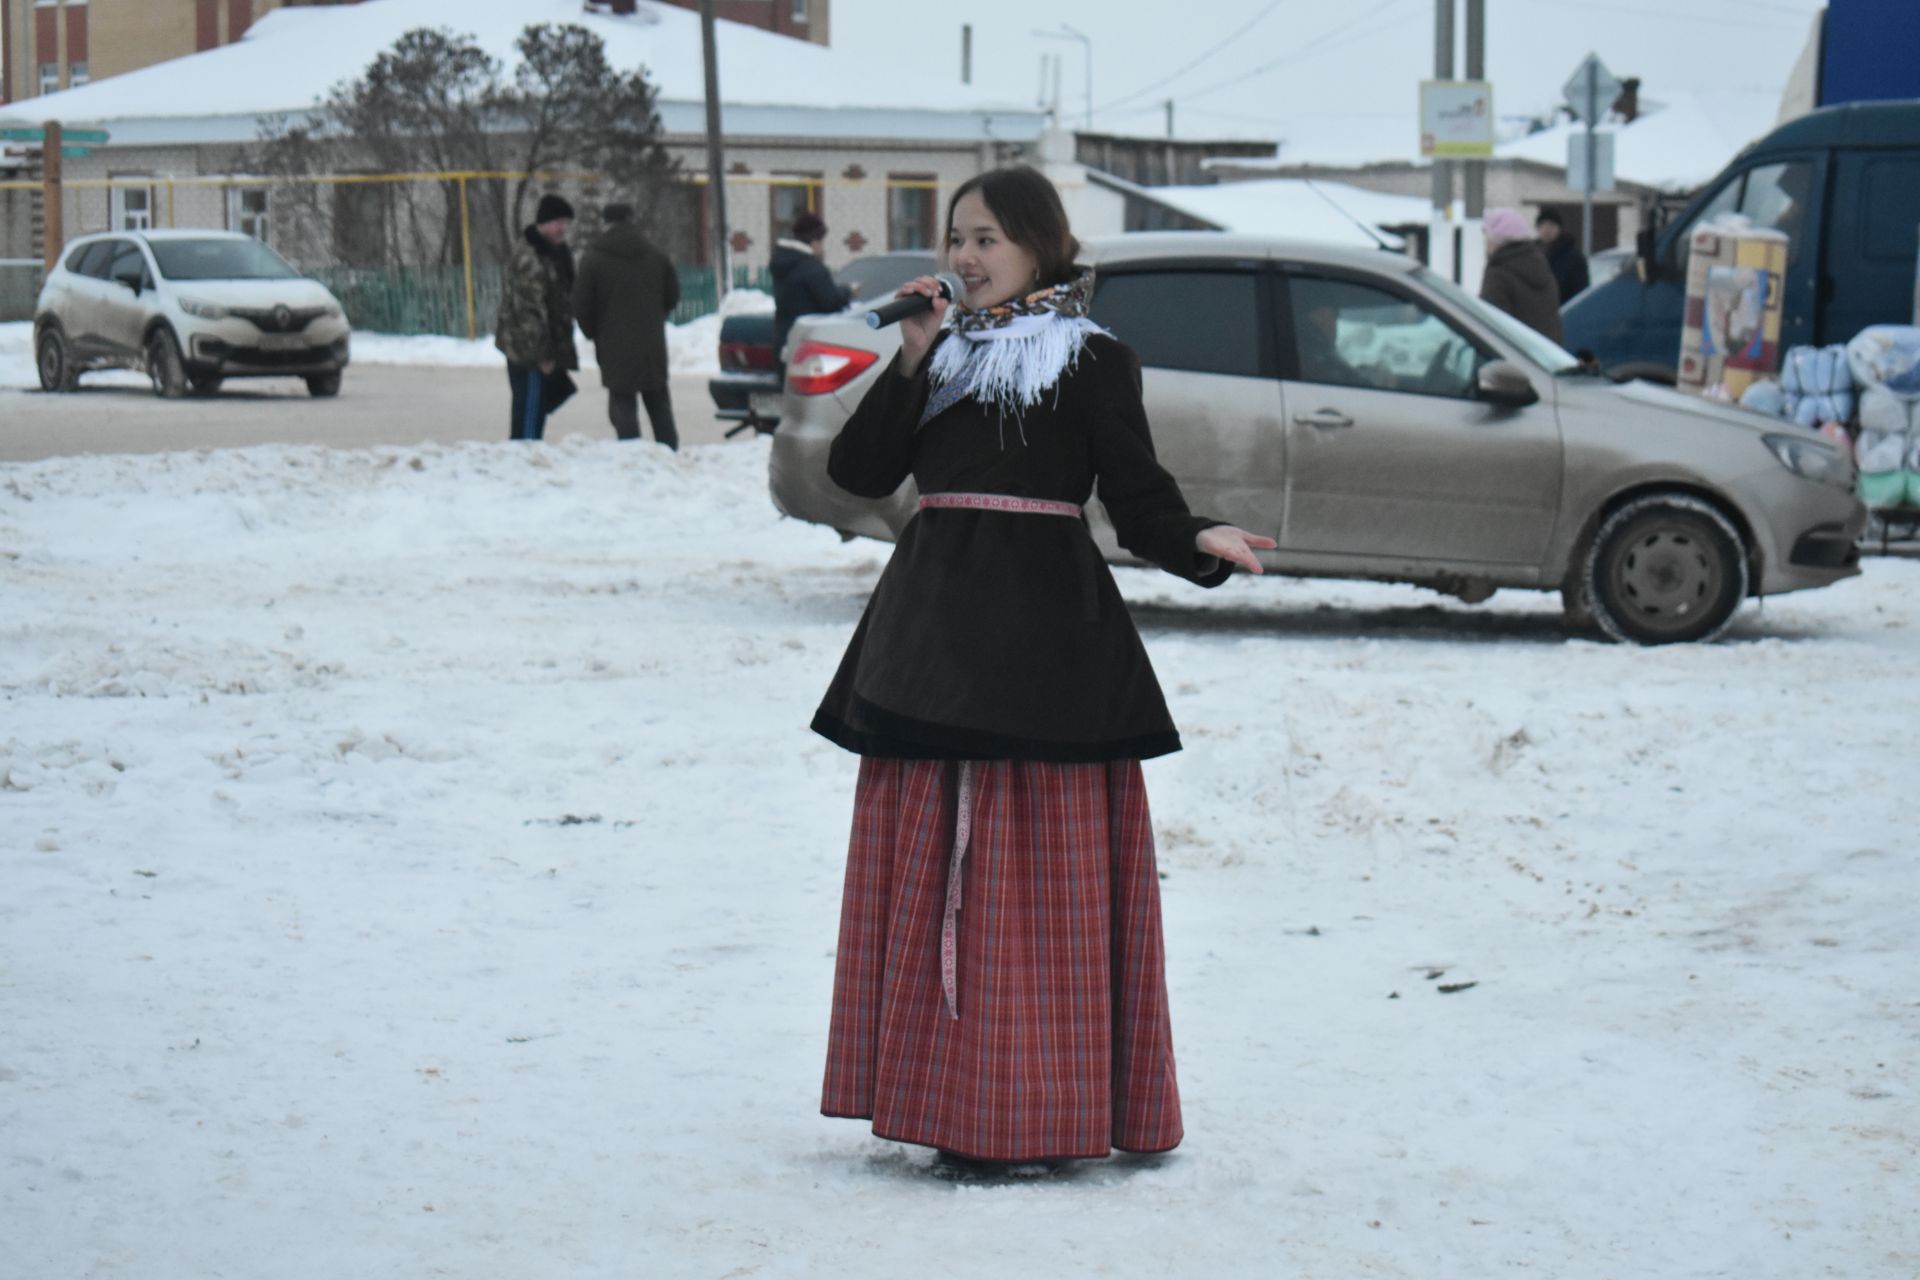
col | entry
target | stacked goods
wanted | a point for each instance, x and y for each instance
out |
(1735, 284)
(1885, 360)
(1818, 385)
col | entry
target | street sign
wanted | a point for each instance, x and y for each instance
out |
(1456, 118)
(1591, 91)
(1602, 160)
(34, 133)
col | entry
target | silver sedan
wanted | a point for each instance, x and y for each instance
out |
(1381, 423)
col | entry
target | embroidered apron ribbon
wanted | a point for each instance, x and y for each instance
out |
(949, 942)
(1001, 502)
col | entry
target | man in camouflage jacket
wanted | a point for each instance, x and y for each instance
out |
(535, 328)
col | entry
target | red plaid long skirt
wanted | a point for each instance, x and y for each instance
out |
(1062, 1045)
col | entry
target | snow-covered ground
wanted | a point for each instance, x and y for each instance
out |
(413, 862)
(693, 347)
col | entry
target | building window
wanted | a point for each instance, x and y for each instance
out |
(910, 211)
(49, 77)
(800, 11)
(132, 208)
(247, 212)
(789, 196)
(76, 74)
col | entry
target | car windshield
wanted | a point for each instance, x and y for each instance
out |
(219, 260)
(1537, 347)
(880, 277)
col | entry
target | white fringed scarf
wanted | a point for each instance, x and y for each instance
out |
(1008, 356)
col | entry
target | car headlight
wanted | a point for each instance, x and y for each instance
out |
(205, 310)
(1813, 459)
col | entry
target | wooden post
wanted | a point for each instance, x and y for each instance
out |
(53, 230)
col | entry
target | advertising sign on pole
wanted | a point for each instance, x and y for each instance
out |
(1456, 119)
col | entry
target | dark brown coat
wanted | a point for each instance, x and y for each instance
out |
(622, 297)
(1520, 283)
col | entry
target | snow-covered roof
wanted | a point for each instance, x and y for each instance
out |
(1677, 144)
(770, 84)
(1298, 208)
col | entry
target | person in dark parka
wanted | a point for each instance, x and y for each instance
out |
(1569, 265)
(622, 295)
(802, 285)
(1517, 279)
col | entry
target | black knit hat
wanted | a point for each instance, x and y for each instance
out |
(808, 227)
(551, 207)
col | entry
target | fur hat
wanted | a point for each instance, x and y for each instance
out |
(808, 227)
(1502, 225)
(551, 207)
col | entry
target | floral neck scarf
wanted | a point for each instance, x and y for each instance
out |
(1008, 355)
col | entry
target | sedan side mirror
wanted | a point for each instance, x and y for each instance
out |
(1501, 382)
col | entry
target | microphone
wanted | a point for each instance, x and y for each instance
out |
(914, 303)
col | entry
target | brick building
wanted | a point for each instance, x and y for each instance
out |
(49, 45)
(801, 19)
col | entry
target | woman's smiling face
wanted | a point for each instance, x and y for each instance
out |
(992, 268)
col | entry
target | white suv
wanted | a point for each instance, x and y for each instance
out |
(192, 308)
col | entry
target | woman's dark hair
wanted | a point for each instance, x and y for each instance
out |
(1028, 209)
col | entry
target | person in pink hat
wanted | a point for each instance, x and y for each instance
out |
(1518, 279)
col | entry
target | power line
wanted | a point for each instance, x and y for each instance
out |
(1317, 44)
(1255, 21)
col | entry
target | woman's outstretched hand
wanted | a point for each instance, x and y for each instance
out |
(1234, 545)
(918, 332)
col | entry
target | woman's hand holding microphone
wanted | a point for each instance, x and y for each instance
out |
(917, 332)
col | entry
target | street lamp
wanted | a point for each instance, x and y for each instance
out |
(1068, 33)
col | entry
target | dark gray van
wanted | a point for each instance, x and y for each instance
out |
(1842, 182)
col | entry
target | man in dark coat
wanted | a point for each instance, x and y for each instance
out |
(1517, 279)
(802, 285)
(1568, 264)
(622, 297)
(535, 328)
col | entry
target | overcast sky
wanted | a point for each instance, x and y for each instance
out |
(1279, 68)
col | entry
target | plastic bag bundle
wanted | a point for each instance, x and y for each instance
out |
(1818, 385)
(1888, 449)
(1765, 396)
(1887, 355)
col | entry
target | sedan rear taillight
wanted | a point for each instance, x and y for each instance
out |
(820, 367)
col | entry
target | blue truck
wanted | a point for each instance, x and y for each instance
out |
(1843, 182)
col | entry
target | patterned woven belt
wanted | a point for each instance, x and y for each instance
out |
(1001, 502)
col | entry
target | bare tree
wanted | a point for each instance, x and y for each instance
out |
(438, 103)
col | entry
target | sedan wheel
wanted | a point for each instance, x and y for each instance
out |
(164, 365)
(321, 385)
(1666, 569)
(56, 371)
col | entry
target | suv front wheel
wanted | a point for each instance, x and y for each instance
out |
(54, 361)
(1664, 569)
(321, 385)
(164, 365)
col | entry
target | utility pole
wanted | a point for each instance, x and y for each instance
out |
(1442, 169)
(1475, 171)
(716, 171)
(1169, 117)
